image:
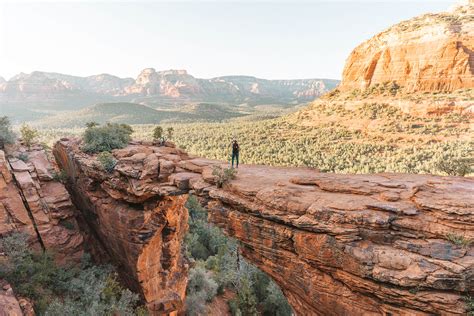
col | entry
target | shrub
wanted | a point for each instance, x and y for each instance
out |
(458, 240)
(246, 299)
(85, 290)
(106, 138)
(28, 134)
(333, 93)
(469, 305)
(275, 303)
(455, 166)
(23, 157)
(92, 124)
(223, 175)
(169, 132)
(201, 289)
(201, 280)
(196, 304)
(107, 161)
(394, 88)
(158, 133)
(6, 134)
(60, 176)
(67, 224)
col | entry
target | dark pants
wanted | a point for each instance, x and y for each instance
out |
(235, 155)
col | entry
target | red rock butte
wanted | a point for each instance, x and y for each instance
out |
(336, 244)
(432, 52)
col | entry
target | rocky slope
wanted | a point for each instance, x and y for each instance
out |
(33, 201)
(432, 52)
(336, 244)
(9, 305)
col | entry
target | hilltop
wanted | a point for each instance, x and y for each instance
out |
(429, 53)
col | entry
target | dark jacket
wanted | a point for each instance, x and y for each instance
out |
(235, 148)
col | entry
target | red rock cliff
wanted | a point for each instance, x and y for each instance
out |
(336, 244)
(134, 216)
(433, 52)
(33, 201)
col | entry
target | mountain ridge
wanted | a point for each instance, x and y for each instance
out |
(24, 83)
(33, 95)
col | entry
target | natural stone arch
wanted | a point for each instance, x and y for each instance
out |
(336, 244)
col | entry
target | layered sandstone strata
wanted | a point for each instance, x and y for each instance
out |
(9, 305)
(34, 201)
(433, 52)
(336, 244)
(136, 216)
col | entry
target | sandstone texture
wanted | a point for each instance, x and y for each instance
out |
(336, 244)
(9, 305)
(136, 216)
(33, 201)
(432, 52)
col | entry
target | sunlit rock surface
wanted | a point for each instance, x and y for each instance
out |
(34, 201)
(336, 244)
(432, 52)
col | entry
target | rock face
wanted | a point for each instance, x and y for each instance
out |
(336, 244)
(9, 305)
(179, 84)
(432, 52)
(34, 202)
(135, 216)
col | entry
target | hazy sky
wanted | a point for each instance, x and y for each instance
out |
(268, 39)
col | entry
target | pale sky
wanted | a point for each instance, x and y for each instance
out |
(267, 39)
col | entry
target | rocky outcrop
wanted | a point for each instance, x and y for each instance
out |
(135, 216)
(379, 244)
(13, 213)
(179, 84)
(9, 305)
(34, 201)
(433, 52)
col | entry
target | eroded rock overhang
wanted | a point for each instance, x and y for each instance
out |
(336, 244)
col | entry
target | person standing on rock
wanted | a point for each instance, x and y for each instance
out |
(235, 153)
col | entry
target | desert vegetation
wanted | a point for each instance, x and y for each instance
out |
(6, 133)
(85, 289)
(223, 175)
(106, 138)
(372, 137)
(217, 267)
(28, 134)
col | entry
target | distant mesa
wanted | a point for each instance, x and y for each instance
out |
(431, 52)
(46, 90)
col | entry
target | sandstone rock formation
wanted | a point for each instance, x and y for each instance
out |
(432, 52)
(33, 201)
(9, 305)
(180, 84)
(378, 244)
(135, 216)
